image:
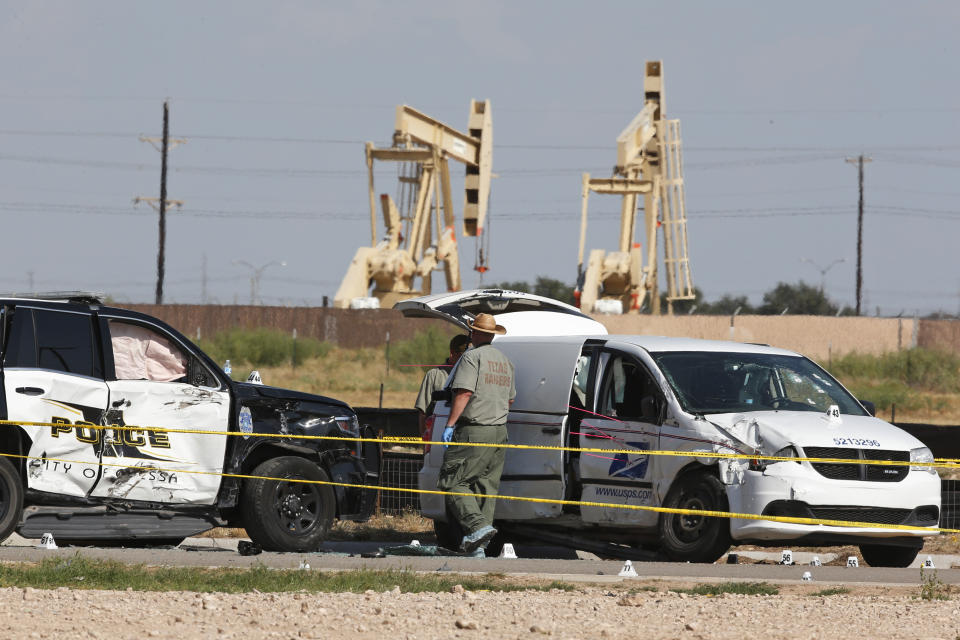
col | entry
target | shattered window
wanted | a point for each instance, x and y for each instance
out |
(721, 382)
(628, 392)
(140, 353)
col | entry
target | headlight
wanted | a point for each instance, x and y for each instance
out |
(349, 424)
(787, 452)
(314, 421)
(921, 455)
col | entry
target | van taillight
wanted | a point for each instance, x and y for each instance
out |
(428, 433)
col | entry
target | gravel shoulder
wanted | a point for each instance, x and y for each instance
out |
(588, 613)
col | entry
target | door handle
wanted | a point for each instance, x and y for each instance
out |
(30, 391)
(551, 430)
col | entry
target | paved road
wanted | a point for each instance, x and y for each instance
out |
(207, 552)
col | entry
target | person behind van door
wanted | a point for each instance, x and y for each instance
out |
(483, 390)
(435, 379)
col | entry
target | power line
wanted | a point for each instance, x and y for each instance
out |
(557, 214)
(949, 148)
(538, 109)
(923, 162)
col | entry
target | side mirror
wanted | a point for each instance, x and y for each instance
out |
(443, 395)
(869, 406)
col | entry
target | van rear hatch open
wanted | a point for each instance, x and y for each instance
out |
(522, 314)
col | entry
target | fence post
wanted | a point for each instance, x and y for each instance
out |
(732, 319)
(387, 355)
(380, 435)
(293, 350)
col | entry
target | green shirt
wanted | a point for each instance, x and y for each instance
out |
(434, 380)
(488, 373)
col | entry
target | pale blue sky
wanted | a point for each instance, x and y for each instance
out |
(277, 98)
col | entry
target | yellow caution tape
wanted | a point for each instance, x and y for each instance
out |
(946, 463)
(578, 503)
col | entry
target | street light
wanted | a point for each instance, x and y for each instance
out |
(255, 274)
(823, 270)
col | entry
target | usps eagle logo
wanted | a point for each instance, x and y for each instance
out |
(626, 465)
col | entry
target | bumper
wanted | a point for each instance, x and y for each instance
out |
(788, 488)
(354, 503)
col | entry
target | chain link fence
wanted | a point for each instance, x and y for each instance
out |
(950, 507)
(399, 470)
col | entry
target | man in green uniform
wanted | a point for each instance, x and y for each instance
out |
(435, 379)
(483, 389)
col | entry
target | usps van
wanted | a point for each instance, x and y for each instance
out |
(579, 387)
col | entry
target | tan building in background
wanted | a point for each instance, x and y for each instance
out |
(819, 337)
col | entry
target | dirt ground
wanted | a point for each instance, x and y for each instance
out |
(412, 526)
(590, 613)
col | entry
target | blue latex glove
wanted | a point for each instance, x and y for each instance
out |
(447, 434)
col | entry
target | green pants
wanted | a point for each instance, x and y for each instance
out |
(473, 470)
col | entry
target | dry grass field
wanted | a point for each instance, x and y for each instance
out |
(351, 375)
(355, 376)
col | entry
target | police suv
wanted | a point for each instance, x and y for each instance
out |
(578, 387)
(73, 368)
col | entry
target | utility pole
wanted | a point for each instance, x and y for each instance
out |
(255, 273)
(203, 280)
(160, 204)
(823, 270)
(859, 160)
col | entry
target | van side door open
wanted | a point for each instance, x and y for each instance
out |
(543, 372)
(629, 406)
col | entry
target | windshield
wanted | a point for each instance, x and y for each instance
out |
(718, 382)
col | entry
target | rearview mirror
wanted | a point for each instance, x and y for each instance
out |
(869, 406)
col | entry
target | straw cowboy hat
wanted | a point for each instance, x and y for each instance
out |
(485, 323)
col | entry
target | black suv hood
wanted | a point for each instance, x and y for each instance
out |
(248, 390)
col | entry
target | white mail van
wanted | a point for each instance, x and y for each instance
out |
(578, 387)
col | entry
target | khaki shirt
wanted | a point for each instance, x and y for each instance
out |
(488, 373)
(434, 380)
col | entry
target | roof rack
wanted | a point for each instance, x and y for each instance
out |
(75, 297)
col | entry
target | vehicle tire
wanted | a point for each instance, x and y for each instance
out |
(449, 533)
(693, 538)
(11, 498)
(287, 516)
(881, 555)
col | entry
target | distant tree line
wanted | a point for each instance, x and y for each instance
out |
(793, 299)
